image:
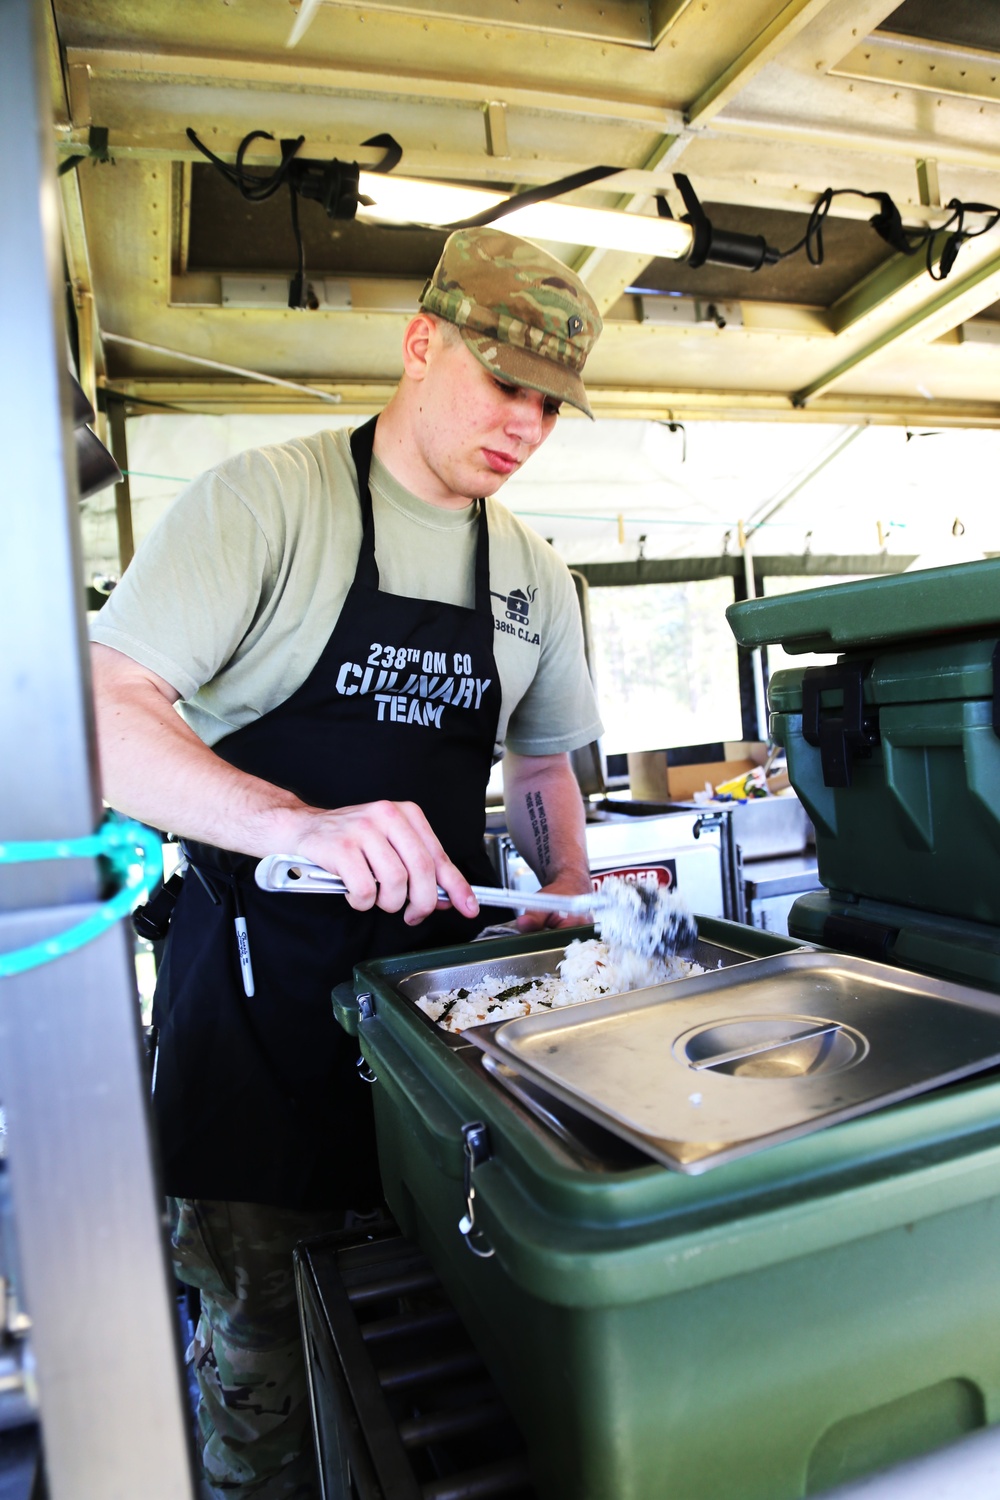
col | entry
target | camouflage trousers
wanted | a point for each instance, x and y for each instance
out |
(254, 1424)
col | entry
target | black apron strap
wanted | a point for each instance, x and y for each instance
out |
(367, 574)
(483, 605)
(362, 439)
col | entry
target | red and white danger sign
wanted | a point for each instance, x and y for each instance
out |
(659, 873)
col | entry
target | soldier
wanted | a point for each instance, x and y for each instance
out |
(320, 615)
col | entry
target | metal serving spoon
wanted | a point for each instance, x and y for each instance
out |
(652, 922)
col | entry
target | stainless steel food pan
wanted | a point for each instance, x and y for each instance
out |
(703, 1070)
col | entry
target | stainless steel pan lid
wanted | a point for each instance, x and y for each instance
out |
(703, 1070)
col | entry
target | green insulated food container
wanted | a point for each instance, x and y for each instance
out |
(894, 750)
(763, 1331)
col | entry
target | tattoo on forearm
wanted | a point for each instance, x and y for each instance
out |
(540, 832)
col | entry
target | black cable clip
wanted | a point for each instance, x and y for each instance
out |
(720, 247)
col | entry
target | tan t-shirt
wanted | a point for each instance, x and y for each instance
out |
(234, 594)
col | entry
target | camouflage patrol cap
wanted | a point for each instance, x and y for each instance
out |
(528, 318)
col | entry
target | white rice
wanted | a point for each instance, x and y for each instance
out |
(588, 970)
(651, 920)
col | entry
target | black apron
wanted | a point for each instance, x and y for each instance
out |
(257, 1099)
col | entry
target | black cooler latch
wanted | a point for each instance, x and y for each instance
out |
(839, 735)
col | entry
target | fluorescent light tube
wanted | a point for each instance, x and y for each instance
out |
(407, 200)
(602, 228)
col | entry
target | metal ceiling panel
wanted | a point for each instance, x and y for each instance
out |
(762, 103)
(628, 22)
(929, 66)
(960, 23)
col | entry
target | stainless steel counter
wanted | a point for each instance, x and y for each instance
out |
(772, 886)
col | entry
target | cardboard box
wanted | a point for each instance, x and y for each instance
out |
(684, 781)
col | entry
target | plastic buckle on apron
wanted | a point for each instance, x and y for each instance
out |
(152, 920)
(476, 1147)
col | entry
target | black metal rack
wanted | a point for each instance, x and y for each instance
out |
(403, 1407)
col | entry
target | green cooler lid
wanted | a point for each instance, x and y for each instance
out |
(894, 607)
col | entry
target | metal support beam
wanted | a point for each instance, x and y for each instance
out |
(89, 1222)
(891, 290)
(756, 659)
(87, 1209)
(786, 25)
(86, 330)
(74, 233)
(291, 79)
(693, 569)
(627, 25)
(123, 491)
(181, 208)
(147, 395)
(928, 184)
(961, 299)
(495, 121)
(929, 67)
(854, 140)
(771, 507)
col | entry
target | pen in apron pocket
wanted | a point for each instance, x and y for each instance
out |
(243, 942)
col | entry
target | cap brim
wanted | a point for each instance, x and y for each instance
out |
(524, 367)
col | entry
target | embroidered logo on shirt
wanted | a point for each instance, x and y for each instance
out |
(518, 608)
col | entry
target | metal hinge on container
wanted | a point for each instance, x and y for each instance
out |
(476, 1149)
(860, 935)
(839, 734)
(366, 1009)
